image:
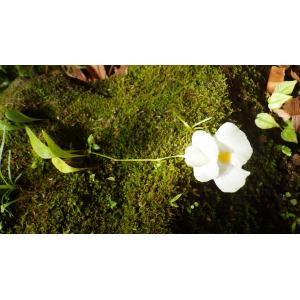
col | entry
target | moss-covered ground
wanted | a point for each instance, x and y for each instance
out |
(133, 116)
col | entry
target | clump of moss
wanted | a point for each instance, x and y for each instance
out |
(132, 117)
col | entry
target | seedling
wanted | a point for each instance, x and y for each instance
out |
(280, 96)
(112, 204)
(172, 201)
(91, 143)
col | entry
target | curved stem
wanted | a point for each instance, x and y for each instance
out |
(3, 178)
(136, 159)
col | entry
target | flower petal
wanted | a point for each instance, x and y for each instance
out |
(236, 140)
(207, 172)
(194, 157)
(232, 180)
(207, 144)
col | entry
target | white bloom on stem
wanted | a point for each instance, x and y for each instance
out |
(220, 157)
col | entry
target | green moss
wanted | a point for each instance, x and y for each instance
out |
(131, 117)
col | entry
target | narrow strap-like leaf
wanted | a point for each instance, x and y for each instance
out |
(55, 149)
(18, 117)
(8, 127)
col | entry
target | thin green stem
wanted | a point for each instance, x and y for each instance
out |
(3, 178)
(136, 159)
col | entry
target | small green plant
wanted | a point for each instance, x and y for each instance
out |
(196, 126)
(286, 150)
(91, 143)
(281, 95)
(111, 204)
(52, 151)
(204, 155)
(17, 120)
(172, 201)
(192, 206)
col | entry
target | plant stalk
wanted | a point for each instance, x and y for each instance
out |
(136, 159)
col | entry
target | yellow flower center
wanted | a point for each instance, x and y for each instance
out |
(224, 157)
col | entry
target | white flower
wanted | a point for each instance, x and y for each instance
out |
(220, 157)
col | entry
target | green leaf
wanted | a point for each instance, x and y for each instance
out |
(285, 87)
(91, 140)
(288, 134)
(56, 150)
(203, 121)
(6, 187)
(63, 167)
(111, 178)
(5, 205)
(174, 199)
(96, 147)
(265, 121)
(8, 127)
(290, 215)
(39, 148)
(112, 204)
(294, 202)
(286, 150)
(185, 124)
(18, 117)
(277, 100)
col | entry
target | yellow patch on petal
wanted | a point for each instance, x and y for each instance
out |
(224, 157)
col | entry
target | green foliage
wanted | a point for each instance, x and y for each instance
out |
(285, 87)
(265, 121)
(52, 151)
(288, 134)
(281, 94)
(128, 117)
(63, 167)
(4, 125)
(286, 150)
(91, 143)
(291, 214)
(277, 100)
(39, 147)
(18, 117)
(56, 150)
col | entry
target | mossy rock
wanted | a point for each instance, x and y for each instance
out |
(133, 116)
